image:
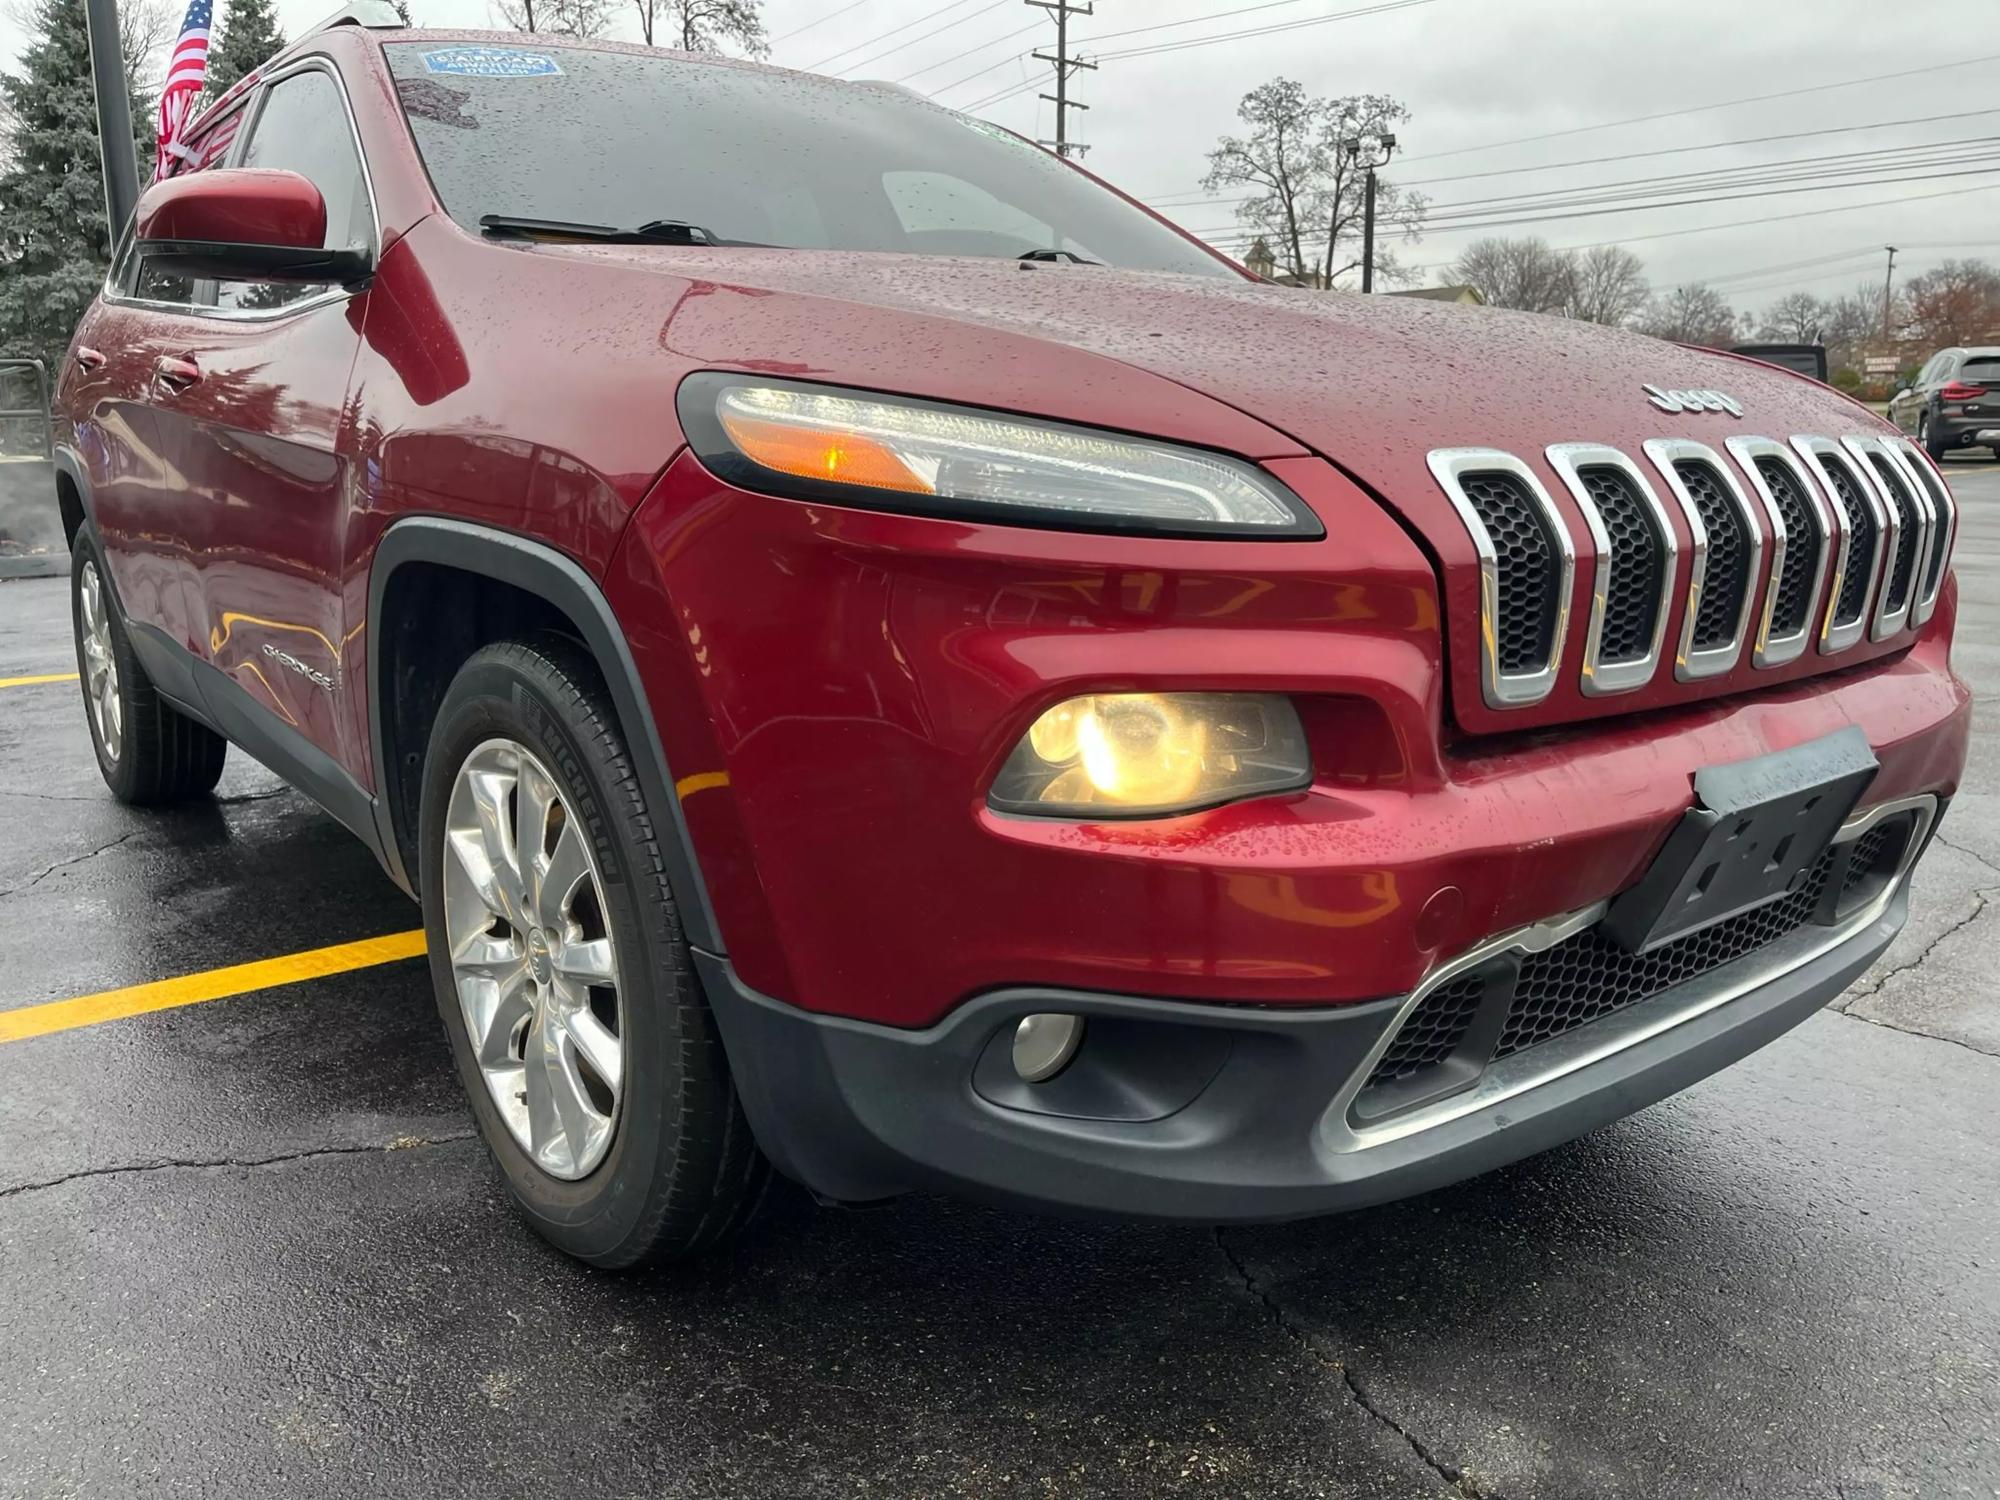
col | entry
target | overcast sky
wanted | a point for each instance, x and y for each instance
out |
(1479, 72)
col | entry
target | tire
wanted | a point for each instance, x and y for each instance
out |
(650, 1160)
(149, 752)
(1935, 450)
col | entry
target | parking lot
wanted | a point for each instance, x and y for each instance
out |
(249, 1245)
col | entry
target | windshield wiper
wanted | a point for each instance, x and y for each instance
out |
(1069, 257)
(652, 232)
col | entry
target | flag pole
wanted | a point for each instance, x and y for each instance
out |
(114, 115)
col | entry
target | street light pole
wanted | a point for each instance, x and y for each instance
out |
(114, 116)
(1386, 143)
(1888, 279)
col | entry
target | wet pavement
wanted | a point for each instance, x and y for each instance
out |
(250, 1247)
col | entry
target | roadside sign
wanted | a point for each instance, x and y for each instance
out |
(1881, 364)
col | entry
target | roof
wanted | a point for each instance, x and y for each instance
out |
(1466, 294)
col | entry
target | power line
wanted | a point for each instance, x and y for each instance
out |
(849, 68)
(1695, 109)
(1014, 90)
(978, 47)
(880, 36)
(1640, 194)
(1188, 199)
(818, 21)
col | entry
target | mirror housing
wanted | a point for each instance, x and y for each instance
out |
(243, 224)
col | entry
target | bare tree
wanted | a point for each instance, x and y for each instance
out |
(1526, 274)
(524, 15)
(1607, 285)
(580, 18)
(1283, 159)
(1958, 303)
(1350, 128)
(1692, 314)
(1795, 318)
(704, 25)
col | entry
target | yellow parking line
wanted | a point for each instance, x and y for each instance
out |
(6, 682)
(212, 984)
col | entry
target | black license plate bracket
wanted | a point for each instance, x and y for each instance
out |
(1757, 827)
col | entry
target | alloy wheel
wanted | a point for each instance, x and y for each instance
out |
(532, 957)
(100, 664)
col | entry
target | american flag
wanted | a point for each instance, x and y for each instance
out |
(186, 71)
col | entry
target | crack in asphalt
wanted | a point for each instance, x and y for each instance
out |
(1972, 854)
(1981, 898)
(1929, 1036)
(63, 864)
(1459, 1480)
(400, 1143)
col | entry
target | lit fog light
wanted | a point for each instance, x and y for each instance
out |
(1131, 754)
(1044, 1044)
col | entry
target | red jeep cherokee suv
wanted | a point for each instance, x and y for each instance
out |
(881, 657)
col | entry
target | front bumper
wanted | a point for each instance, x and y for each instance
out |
(1197, 1112)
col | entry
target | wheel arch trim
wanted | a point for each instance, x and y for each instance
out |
(561, 582)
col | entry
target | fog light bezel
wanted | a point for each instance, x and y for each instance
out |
(1015, 792)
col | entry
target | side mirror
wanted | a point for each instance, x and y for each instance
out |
(243, 224)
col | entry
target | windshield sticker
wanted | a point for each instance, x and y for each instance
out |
(491, 62)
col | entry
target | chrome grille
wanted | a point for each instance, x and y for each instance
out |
(1636, 561)
(1903, 513)
(1859, 532)
(1729, 555)
(1791, 603)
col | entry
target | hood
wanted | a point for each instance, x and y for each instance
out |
(1372, 384)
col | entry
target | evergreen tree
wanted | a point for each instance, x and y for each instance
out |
(54, 245)
(250, 38)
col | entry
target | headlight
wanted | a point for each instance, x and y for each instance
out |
(1132, 754)
(888, 453)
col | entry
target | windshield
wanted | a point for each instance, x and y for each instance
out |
(752, 157)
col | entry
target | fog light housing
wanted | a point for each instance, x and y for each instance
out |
(1145, 754)
(1045, 1043)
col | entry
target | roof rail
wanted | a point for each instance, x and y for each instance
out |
(376, 15)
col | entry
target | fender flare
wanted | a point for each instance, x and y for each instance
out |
(557, 579)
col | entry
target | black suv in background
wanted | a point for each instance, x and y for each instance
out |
(1954, 402)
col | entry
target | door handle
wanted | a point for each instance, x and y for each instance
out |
(89, 358)
(176, 374)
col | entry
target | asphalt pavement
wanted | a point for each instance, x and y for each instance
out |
(250, 1246)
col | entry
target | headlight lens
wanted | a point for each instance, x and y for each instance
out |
(893, 454)
(1135, 754)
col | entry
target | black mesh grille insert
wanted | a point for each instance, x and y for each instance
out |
(1902, 506)
(1728, 575)
(1433, 1030)
(1864, 537)
(1802, 542)
(1529, 574)
(1632, 596)
(1588, 976)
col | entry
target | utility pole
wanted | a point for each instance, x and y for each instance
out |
(1386, 144)
(1064, 65)
(1888, 278)
(114, 116)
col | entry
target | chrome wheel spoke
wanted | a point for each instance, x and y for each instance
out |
(603, 1051)
(533, 963)
(567, 869)
(587, 963)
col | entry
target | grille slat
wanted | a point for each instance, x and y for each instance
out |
(1903, 508)
(1636, 565)
(1864, 536)
(1796, 578)
(1727, 578)
(1526, 564)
